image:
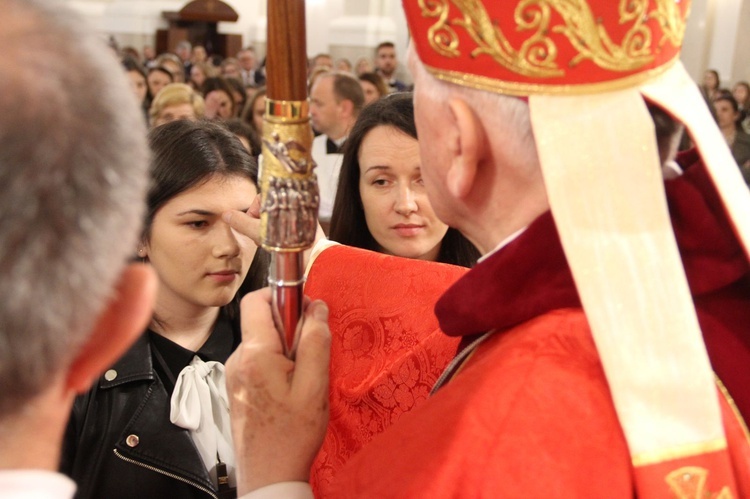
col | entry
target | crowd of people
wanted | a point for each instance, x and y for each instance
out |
(731, 109)
(598, 312)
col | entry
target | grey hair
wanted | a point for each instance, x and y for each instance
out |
(73, 177)
(509, 117)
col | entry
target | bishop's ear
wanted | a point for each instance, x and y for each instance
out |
(466, 147)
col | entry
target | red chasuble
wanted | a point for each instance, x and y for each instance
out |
(387, 349)
(530, 414)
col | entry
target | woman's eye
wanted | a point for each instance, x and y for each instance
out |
(380, 182)
(197, 224)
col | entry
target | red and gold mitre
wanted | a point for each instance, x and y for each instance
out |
(547, 46)
(587, 67)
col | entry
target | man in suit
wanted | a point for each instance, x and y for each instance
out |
(251, 75)
(335, 102)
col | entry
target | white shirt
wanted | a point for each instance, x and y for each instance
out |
(35, 484)
(327, 171)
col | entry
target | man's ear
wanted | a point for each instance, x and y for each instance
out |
(121, 322)
(347, 107)
(466, 146)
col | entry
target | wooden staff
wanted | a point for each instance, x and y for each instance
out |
(289, 189)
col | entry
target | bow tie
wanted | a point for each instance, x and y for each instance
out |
(332, 148)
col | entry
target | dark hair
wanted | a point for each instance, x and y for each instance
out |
(247, 112)
(239, 127)
(727, 96)
(376, 80)
(238, 87)
(218, 83)
(186, 154)
(348, 224)
(347, 87)
(132, 64)
(381, 45)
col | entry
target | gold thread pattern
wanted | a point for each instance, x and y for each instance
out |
(689, 482)
(537, 56)
(442, 36)
(524, 88)
(672, 23)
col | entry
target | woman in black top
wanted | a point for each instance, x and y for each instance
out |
(156, 424)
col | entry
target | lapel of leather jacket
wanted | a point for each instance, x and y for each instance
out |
(150, 438)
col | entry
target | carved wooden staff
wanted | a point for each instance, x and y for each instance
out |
(289, 189)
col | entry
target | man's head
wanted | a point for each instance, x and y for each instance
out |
(230, 68)
(324, 61)
(585, 89)
(73, 177)
(478, 158)
(385, 58)
(184, 50)
(246, 58)
(335, 102)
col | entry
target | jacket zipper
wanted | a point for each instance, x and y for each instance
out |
(166, 473)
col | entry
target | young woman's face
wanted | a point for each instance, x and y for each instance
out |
(156, 81)
(199, 259)
(259, 111)
(710, 80)
(218, 105)
(398, 213)
(741, 93)
(138, 84)
(726, 116)
(370, 91)
(197, 75)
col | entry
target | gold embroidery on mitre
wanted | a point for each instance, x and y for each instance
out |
(537, 56)
(671, 21)
(689, 482)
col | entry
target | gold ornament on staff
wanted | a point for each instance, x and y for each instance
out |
(289, 188)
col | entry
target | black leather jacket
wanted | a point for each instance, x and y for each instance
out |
(120, 442)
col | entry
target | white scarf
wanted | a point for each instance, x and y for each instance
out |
(200, 404)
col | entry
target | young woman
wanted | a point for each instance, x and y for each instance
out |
(156, 424)
(219, 98)
(255, 110)
(158, 78)
(728, 117)
(373, 87)
(381, 203)
(138, 82)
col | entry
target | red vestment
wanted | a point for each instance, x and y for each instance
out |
(530, 413)
(387, 351)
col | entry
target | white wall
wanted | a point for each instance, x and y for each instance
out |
(715, 37)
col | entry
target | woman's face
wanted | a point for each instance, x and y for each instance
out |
(710, 80)
(176, 112)
(726, 116)
(138, 84)
(156, 81)
(259, 111)
(370, 91)
(197, 75)
(398, 213)
(199, 259)
(741, 93)
(218, 105)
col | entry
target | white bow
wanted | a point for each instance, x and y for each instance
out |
(200, 404)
